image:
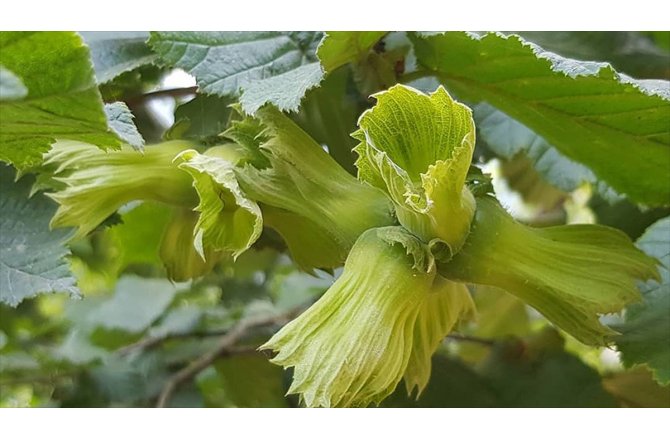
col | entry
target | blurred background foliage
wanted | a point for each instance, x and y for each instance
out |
(134, 332)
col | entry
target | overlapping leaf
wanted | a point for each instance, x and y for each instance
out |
(645, 337)
(114, 53)
(32, 258)
(341, 47)
(276, 67)
(63, 101)
(584, 109)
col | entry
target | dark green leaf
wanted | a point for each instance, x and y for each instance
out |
(202, 119)
(137, 239)
(341, 47)
(244, 381)
(275, 67)
(137, 302)
(507, 137)
(629, 52)
(586, 110)
(114, 53)
(329, 114)
(120, 120)
(63, 101)
(452, 385)
(645, 333)
(540, 375)
(32, 257)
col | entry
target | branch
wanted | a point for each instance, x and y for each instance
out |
(175, 93)
(153, 341)
(225, 347)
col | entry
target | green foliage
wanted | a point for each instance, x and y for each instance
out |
(517, 373)
(507, 138)
(228, 230)
(63, 101)
(120, 120)
(32, 258)
(114, 53)
(644, 334)
(343, 47)
(279, 67)
(203, 119)
(584, 109)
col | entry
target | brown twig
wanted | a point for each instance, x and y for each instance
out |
(153, 341)
(225, 347)
(175, 93)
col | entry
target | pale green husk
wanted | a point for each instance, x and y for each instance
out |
(571, 274)
(353, 346)
(298, 183)
(229, 221)
(418, 149)
(181, 259)
(92, 184)
(443, 307)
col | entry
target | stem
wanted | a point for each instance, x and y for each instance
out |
(175, 93)
(225, 347)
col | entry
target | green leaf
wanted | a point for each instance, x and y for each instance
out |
(342, 47)
(63, 101)
(538, 373)
(262, 67)
(295, 289)
(452, 384)
(32, 257)
(507, 137)
(329, 114)
(244, 381)
(136, 304)
(203, 119)
(137, 239)
(629, 52)
(120, 120)
(11, 87)
(584, 109)
(285, 90)
(114, 53)
(516, 374)
(644, 338)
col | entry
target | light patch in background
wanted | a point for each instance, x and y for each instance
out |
(162, 108)
(510, 199)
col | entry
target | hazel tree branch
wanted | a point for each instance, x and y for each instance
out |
(175, 93)
(224, 347)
